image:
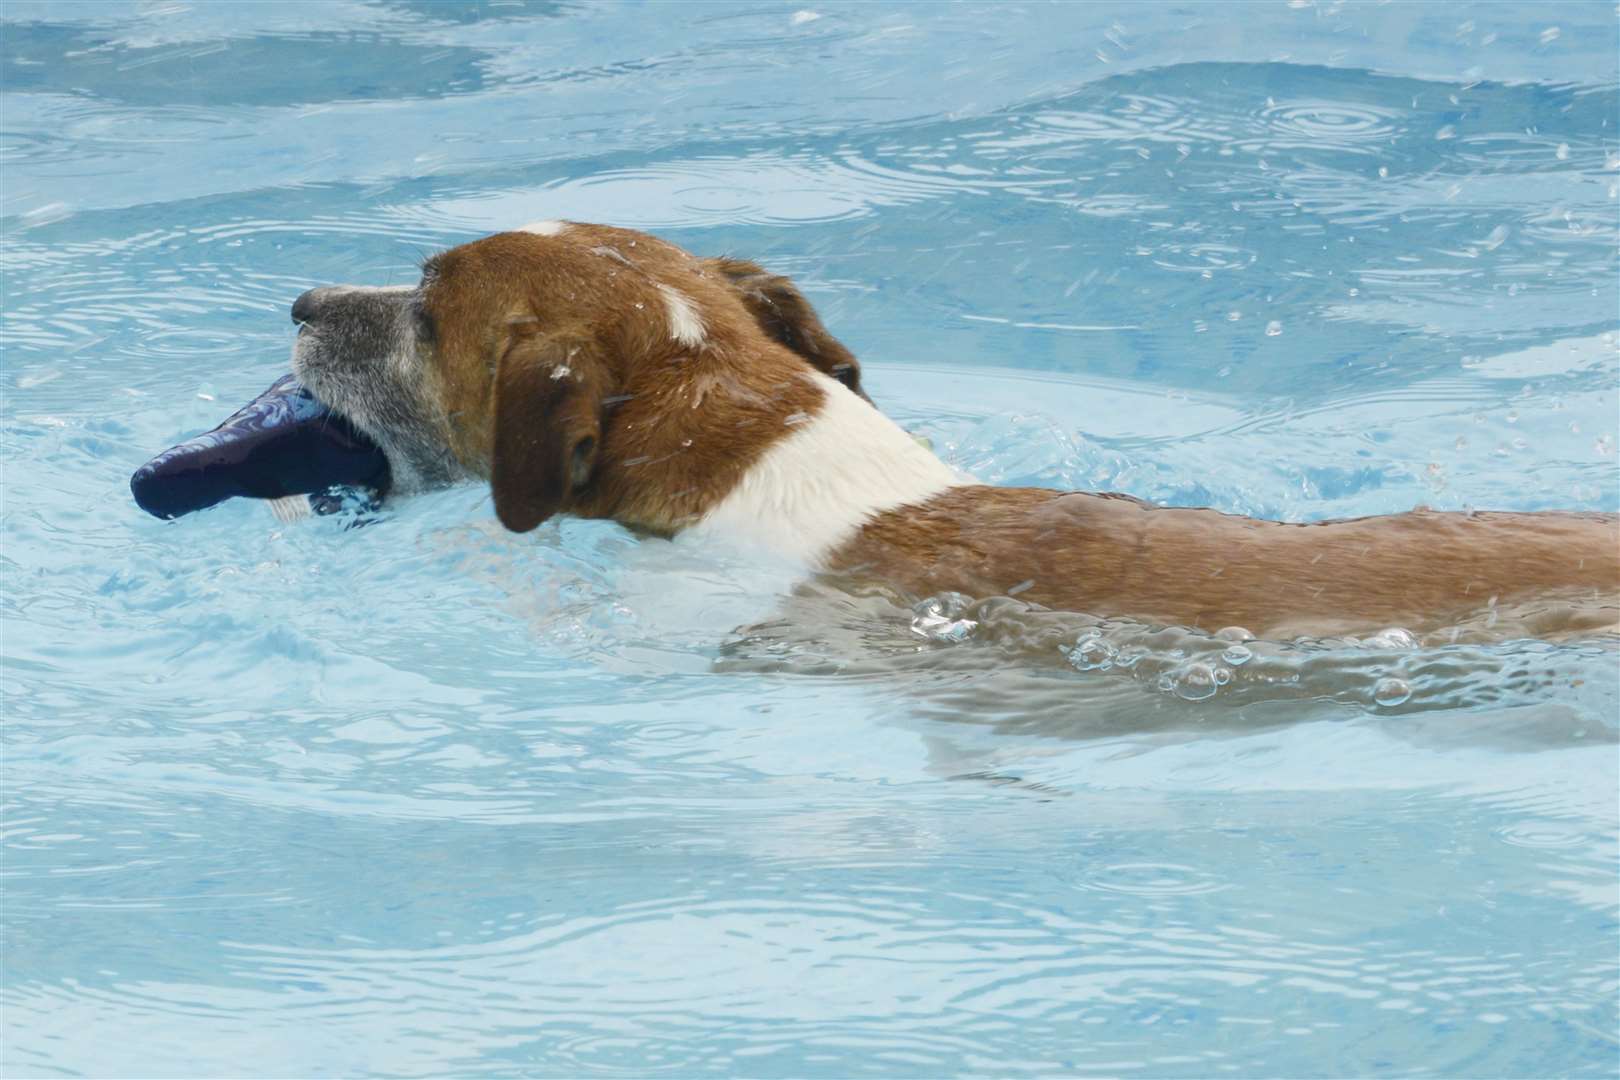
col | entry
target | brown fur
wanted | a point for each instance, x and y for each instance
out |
(1546, 574)
(677, 425)
(781, 311)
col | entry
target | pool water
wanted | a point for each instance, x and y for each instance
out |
(424, 798)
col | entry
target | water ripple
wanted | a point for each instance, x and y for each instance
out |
(1333, 125)
(1151, 879)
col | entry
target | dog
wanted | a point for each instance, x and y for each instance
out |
(602, 372)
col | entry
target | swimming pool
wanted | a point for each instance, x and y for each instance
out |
(423, 798)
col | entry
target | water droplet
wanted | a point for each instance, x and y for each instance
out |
(1273, 328)
(1234, 633)
(1237, 655)
(1223, 676)
(1390, 692)
(1233, 316)
(1383, 172)
(1193, 682)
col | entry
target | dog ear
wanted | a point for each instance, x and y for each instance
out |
(548, 426)
(787, 317)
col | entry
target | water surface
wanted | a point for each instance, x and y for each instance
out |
(424, 798)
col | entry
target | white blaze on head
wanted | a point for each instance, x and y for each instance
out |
(544, 228)
(685, 324)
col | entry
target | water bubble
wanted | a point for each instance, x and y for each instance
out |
(1390, 692)
(1234, 633)
(1092, 654)
(1193, 682)
(1392, 637)
(1273, 328)
(1233, 316)
(1237, 655)
(1562, 153)
(1383, 172)
(1130, 657)
(1223, 676)
(939, 618)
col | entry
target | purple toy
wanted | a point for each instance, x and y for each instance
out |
(282, 443)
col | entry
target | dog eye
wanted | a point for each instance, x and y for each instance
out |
(424, 326)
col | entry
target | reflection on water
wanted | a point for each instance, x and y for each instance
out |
(427, 798)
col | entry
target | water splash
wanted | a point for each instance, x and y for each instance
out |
(942, 618)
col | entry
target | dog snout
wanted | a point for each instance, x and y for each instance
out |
(307, 308)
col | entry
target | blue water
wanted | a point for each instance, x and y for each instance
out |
(422, 798)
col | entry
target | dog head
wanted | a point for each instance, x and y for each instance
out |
(579, 368)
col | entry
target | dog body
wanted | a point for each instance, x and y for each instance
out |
(605, 373)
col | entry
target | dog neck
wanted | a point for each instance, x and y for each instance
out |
(813, 490)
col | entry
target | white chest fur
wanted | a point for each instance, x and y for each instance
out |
(812, 491)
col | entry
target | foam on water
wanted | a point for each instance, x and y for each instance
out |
(423, 797)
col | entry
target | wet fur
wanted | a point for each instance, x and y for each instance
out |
(602, 372)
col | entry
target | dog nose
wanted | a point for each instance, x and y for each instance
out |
(305, 307)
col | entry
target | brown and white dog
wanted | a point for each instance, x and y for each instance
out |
(602, 372)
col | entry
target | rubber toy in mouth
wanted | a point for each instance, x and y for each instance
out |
(283, 446)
